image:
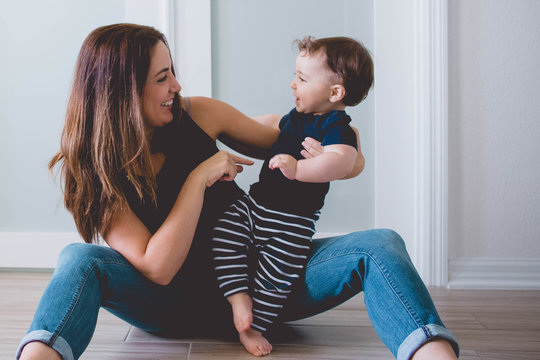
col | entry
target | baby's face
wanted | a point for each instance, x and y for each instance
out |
(312, 85)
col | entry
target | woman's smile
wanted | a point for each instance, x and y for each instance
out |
(167, 104)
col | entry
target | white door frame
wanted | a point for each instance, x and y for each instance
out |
(411, 129)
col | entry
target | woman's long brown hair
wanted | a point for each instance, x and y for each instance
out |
(104, 137)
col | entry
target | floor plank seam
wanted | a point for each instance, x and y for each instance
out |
(479, 321)
(127, 333)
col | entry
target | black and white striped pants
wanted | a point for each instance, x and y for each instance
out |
(261, 252)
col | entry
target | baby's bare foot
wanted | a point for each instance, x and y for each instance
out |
(255, 343)
(241, 306)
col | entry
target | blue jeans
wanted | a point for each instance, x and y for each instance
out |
(88, 277)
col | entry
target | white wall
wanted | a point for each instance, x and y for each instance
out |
(494, 148)
(39, 44)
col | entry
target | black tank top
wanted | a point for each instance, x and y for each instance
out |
(185, 145)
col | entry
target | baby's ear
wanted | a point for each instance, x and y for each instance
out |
(337, 93)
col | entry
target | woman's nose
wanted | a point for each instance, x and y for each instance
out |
(175, 86)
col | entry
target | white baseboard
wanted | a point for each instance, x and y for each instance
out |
(37, 250)
(511, 274)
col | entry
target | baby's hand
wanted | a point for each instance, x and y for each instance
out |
(286, 163)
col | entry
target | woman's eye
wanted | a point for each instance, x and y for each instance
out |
(162, 79)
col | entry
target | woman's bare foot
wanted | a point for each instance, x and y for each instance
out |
(241, 306)
(255, 343)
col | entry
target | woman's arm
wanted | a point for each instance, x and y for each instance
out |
(236, 130)
(160, 256)
(270, 120)
(252, 136)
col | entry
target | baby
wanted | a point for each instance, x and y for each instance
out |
(262, 243)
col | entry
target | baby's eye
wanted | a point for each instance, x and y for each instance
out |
(298, 77)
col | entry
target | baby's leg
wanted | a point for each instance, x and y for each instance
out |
(279, 265)
(267, 303)
(282, 243)
(241, 306)
(231, 240)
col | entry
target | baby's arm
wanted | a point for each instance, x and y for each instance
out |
(313, 148)
(336, 162)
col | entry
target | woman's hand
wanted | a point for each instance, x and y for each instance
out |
(312, 148)
(222, 166)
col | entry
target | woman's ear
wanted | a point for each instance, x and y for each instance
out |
(337, 93)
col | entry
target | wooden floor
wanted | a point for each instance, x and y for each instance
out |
(490, 325)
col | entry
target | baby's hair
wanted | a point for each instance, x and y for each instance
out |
(348, 59)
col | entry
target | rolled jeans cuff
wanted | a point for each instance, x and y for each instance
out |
(59, 344)
(423, 335)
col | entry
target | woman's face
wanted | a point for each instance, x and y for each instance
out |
(159, 89)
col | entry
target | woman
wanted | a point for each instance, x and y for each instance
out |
(141, 169)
